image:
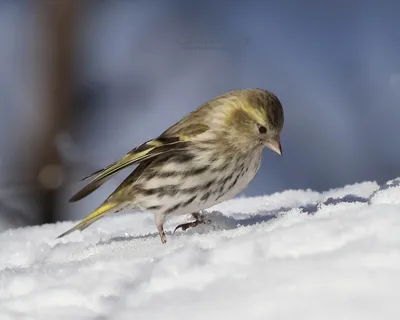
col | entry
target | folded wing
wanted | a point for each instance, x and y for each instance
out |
(146, 151)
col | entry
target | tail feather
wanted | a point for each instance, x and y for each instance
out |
(93, 217)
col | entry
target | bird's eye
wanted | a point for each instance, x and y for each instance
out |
(262, 129)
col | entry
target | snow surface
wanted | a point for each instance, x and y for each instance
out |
(292, 255)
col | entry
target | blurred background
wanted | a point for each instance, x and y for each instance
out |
(84, 81)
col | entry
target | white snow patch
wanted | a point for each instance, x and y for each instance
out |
(291, 255)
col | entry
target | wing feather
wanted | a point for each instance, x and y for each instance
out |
(175, 139)
(146, 151)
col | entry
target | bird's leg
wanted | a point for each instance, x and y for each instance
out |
(160, 227)
(199, 219)
(162, 234)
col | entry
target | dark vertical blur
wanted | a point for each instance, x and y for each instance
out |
(34, 165)
(57, 22)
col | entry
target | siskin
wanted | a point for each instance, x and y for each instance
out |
(207, 157)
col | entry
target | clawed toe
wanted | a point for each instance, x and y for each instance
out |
(191, 224)
(187, 225)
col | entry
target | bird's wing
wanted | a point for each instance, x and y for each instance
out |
(146, 151)
(165, 143)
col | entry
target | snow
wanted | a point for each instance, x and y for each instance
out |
(298, 254)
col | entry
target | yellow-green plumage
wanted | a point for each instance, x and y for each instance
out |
(145, 151)
(207, 157)
(93, 217)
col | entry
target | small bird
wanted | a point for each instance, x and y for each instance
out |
(207, 157)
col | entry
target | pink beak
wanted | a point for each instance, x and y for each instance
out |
(274, 145)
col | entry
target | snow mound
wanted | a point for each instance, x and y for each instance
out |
(298, 254)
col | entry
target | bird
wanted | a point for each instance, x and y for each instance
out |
(207, 157)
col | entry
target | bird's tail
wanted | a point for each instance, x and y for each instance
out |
(93, 217)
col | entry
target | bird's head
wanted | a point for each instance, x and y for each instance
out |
(249, 118)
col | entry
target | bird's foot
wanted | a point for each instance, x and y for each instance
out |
(199, 219)
(163, 238)
(162, 234)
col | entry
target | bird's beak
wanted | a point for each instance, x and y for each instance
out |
(275, 145)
